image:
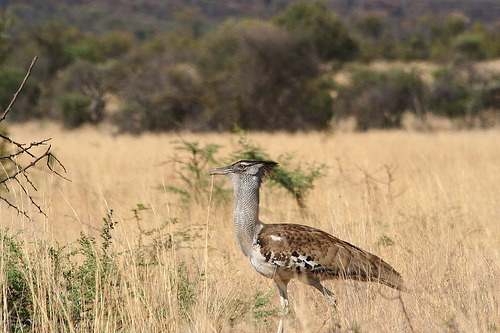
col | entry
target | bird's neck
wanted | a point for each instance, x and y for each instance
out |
(246, 213)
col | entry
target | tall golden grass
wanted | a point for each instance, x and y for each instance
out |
(428, 203)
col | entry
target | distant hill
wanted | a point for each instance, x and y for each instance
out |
(485, 11)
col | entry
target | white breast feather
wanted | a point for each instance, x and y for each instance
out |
(260, 263)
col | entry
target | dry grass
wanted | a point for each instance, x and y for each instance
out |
(441, 211)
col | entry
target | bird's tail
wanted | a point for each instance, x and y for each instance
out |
(388, 276)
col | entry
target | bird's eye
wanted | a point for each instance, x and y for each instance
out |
(242, 167)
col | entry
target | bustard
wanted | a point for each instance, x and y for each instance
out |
(285, 251)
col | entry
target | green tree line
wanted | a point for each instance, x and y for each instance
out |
(276, 74)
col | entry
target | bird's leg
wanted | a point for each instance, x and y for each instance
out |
(282, 287)
(332, 299)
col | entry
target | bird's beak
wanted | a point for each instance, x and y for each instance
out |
(221, 171)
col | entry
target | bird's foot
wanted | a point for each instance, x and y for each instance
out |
(332, 299)
(285, 311)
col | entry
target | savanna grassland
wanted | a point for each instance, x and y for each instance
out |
(428, 203)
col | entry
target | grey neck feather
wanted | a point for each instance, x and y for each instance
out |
(246, 210)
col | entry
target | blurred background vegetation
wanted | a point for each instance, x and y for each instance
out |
(207, 65)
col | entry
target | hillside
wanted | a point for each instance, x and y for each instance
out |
(485, 11)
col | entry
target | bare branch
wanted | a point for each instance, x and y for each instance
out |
(22, 150)
(49, 156)
(23, 170)
(11, 205)
(19, 90)
(19, 173)
(19, 145)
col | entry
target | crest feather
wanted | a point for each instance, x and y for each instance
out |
(268, 167)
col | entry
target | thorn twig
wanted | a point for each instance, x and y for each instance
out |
(20, 171)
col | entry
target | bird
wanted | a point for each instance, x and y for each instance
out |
(285, 251)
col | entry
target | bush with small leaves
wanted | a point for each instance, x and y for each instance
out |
(18, 297)
(191, 164)
(298, 182)
(75, 109)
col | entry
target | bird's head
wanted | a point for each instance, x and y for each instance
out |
(246, 167)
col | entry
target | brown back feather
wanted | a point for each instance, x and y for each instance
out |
(307, 250)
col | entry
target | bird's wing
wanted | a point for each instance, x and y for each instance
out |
(301, 249)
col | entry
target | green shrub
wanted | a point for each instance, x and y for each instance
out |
(467, 46)
(447, 96)
(74, 275)
(18, 292)
(192, 162)
(298, 182)
(75, 109)
(487, 92)
(87, 79)
(456, 92)
(379, 99)
(161, 97)
(195, 159)
(321, 108)
(129, 118)
(490, 40)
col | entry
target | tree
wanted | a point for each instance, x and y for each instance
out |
(467, 46)
(114, 45)
(454, 25)
(84, 87)
(10, 79)
(52, 39)
(490, 41)
(160, 94)
(312, 23)
(379, 99)
(370, 27)
(5, 42)
(260, 77)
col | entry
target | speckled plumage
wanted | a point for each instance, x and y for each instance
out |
(285, 251)
(297, 249)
